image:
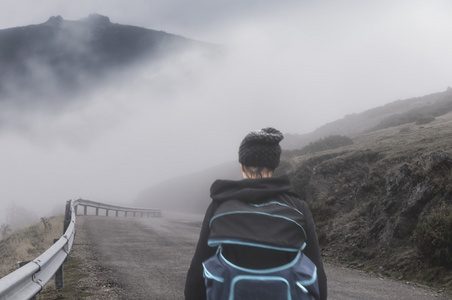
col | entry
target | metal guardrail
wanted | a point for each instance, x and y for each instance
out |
(29, 280)
(125, 209)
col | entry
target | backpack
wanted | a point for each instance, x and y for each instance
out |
(271, 226)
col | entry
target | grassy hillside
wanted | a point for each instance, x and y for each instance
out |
(385, 203)
(26, 244)
(399, 112)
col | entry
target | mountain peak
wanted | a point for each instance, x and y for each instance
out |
(77, 54)
(97, 19)
(92, 19)
(54, 21)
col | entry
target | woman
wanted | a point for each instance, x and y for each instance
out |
(259, 155)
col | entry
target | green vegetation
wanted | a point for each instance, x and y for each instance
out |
(382, 204)
(425, 120)
(323, 214)
(283, 168)
(419, 116)
(327, 143)
(433, 237)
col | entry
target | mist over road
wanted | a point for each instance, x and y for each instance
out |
(147, 258)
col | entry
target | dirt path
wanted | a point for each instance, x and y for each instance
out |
(147, 258)
(349, 284)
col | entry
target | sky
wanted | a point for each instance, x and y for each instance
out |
(290, 64)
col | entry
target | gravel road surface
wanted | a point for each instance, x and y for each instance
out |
(147, 258)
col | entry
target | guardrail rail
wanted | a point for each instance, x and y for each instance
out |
(125, 209)
(30, 279)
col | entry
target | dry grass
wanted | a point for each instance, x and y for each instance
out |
(26, 244)
(73, 275)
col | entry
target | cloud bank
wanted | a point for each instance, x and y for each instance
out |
(294, 65)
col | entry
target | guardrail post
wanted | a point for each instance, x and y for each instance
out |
(134, 213)
(67, 216)
(59, 275)
(106, 212)
(85, 210)
(117, 212)
(97, 211)
(125, 213)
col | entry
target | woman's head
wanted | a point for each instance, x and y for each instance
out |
(259, 152)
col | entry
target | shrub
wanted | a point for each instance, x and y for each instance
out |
(283, 168)
(322, 215)
(420, 115)
(328, 143)
(425, 120)
(433, 237)
(321, 212)
(46, 223)
(5, 229)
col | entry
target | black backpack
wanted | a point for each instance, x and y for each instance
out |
(270, 227)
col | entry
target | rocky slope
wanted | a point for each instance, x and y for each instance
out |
(371, 198)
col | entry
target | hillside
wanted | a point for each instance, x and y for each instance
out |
(376, 118)
(187, 193)
(66, 58)
(385, 202)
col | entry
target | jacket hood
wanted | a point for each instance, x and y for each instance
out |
(249, 190)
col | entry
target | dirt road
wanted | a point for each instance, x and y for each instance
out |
(147, 258)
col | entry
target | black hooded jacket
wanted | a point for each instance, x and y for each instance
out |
(253, 191)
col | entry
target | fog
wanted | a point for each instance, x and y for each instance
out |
(293, 65)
